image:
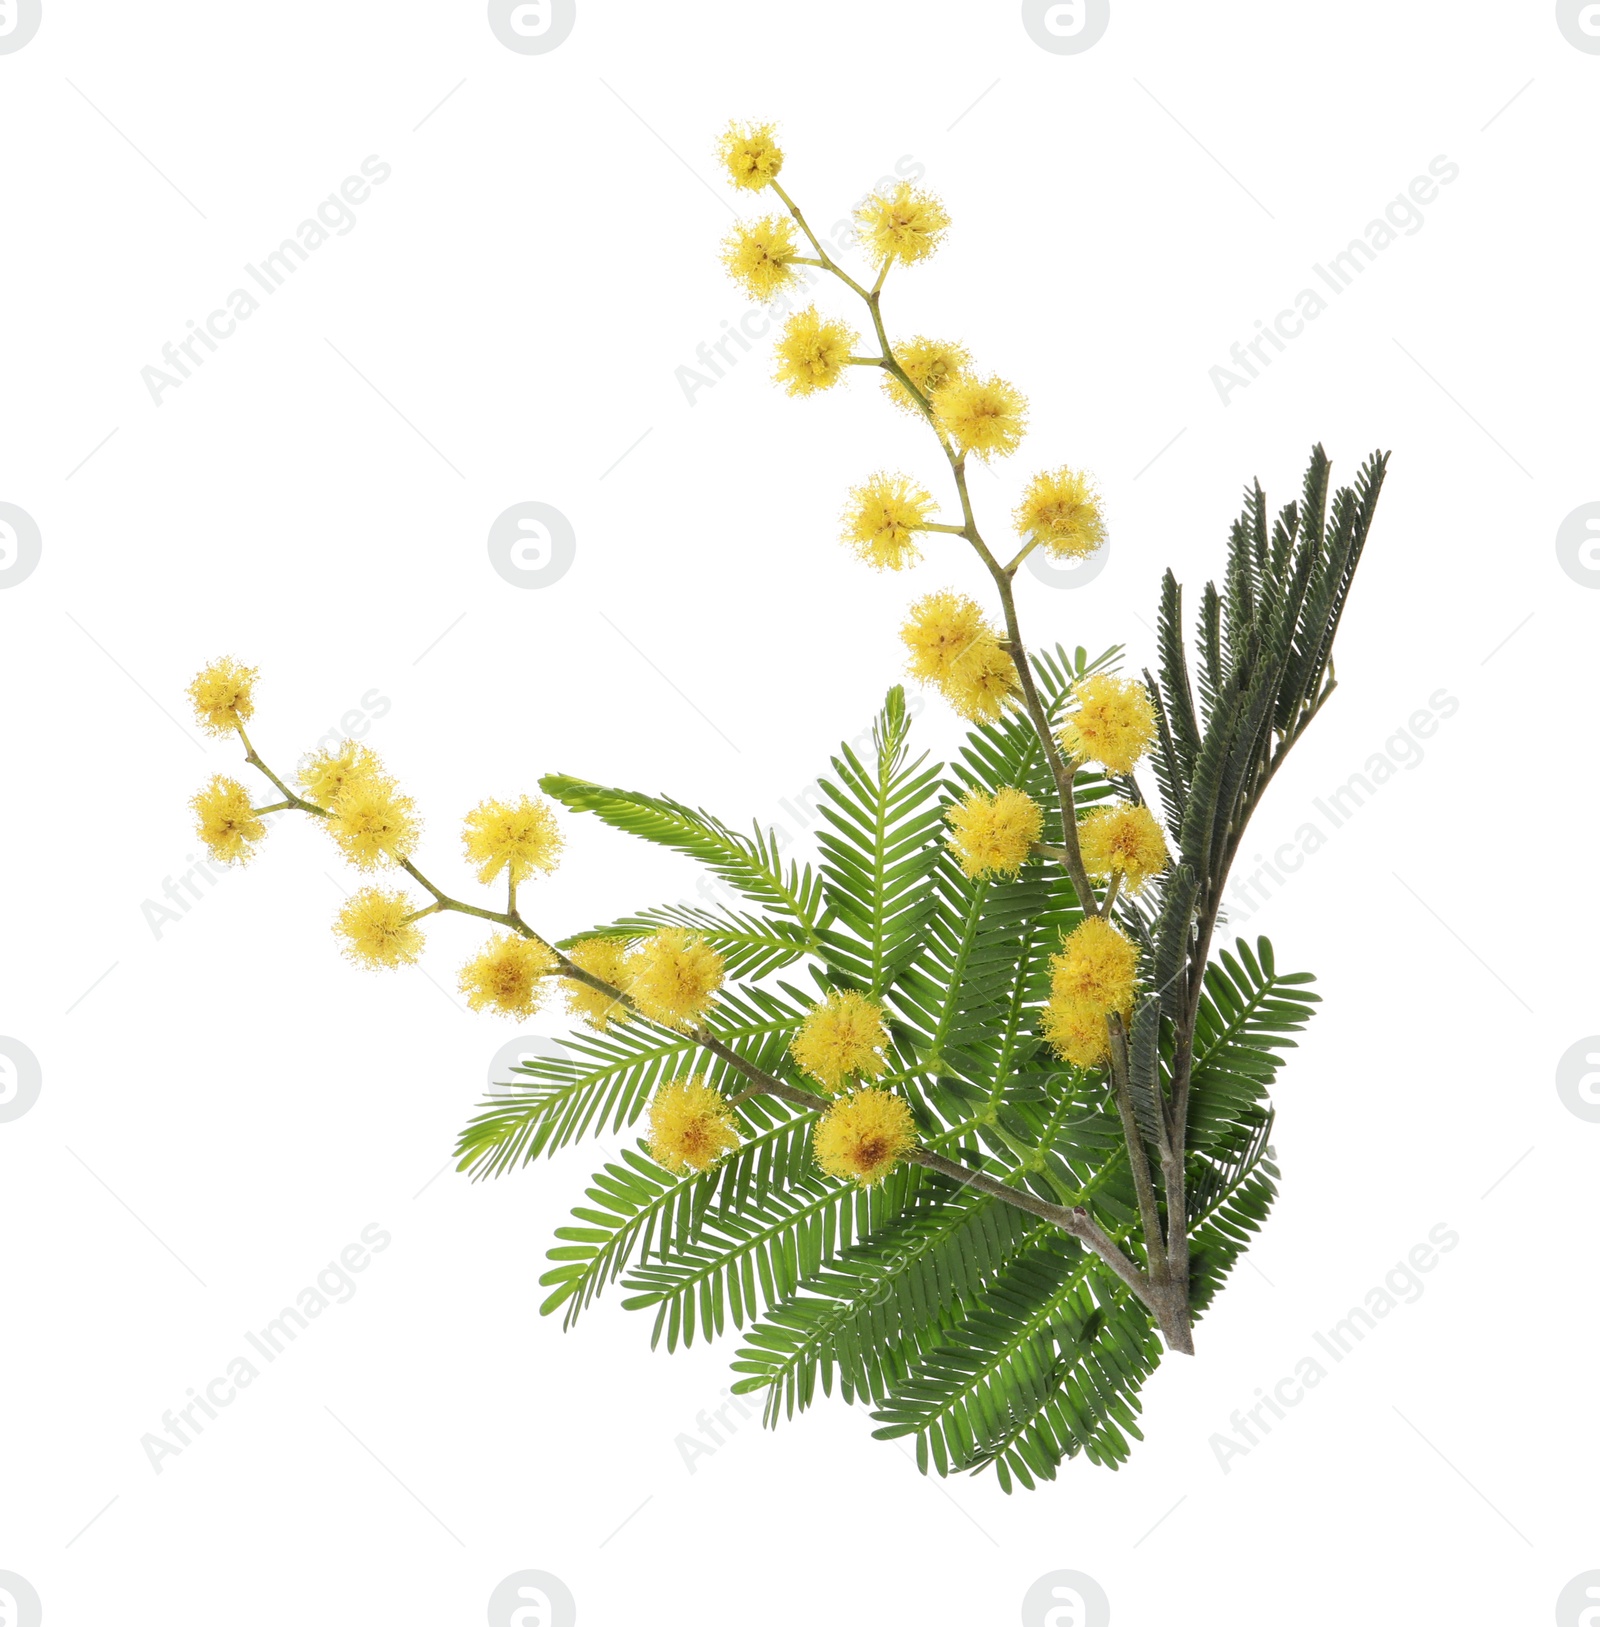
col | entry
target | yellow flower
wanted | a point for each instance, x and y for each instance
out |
(604, 958)
(673, 975)
(1125, 838)
(750, 154)
(993, 835)
(1113, 725)
(813, 352)
(882, 518)
(953, 648)
(222, 697)
(373, 823)
(760, 255)
(507, 976)
(1077, 1031)
(842, 1036)
(1061, 509)
(986, 416)
(325, 775)
(376, 930)
(930, 364)
(905, 224)
(691, 1126)
(1097, 966)
(224, 822)
(863, 1136)
(520, 837)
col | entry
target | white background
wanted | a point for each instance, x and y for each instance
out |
(230, 1104)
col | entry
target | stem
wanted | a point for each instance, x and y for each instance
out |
(823, 256)
(1111, 894)
(254, 760)
(1077, 1221)
(1138, 1159)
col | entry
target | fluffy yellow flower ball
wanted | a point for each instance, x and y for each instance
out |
(843, 1036)
(373, 824)
(930, 364)
(224, 820)
(691, 1126)
(750, 153)
(904, 224)
(993, 835)
(605, 958)
(1061, 510)
(222, 696)
(1077, 1032)
(507, 976)
(863, 1136)
(673, 976)
(759, 256)
(1113, 723)
(882, 519)
(813, 352)
(1097, 966)
(377, 928)
(1125, 838)
(519, 837)
(985, 416)
(952, 647)
(326, 774)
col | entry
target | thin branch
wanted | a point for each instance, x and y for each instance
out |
(1138, 1159)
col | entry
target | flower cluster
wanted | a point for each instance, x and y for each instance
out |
(994, 835)
(1061, 511)
(380, 929)
(863, 1136)
(953, 648)
(1093, 977)
(760, 256)
(223, 696)
(691, 1126)
(930, 364)
(673, 977)
(751, 155)
(1124, 840)
(903, 224)
(1112, 723)
(225, 821)
(840, 1039)
(883, 518)
(515, 837)
(508, 975)
(813, 352)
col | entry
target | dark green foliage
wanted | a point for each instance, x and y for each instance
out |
(1265, 644)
